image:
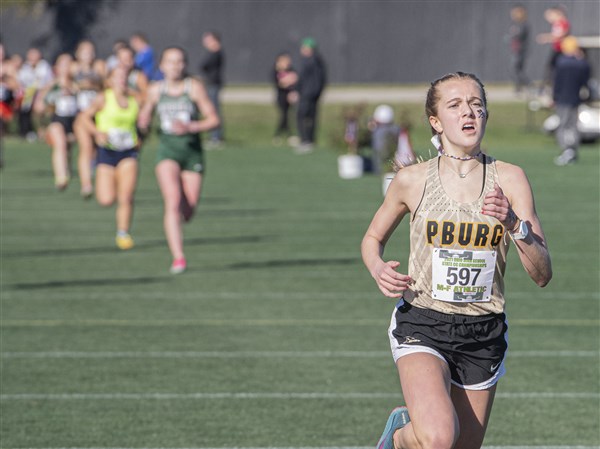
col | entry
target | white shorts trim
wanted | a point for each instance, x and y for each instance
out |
(486, 383)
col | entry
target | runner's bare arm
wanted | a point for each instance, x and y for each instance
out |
(145, 115)
(85, 119)
(398, 202)
(516, 203)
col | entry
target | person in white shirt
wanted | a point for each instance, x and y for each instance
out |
(34, 75)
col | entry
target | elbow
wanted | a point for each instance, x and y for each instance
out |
(545, 279)
(543, 282)
(363, 244)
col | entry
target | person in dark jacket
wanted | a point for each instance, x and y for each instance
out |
(519, 42)
(311, 82)
(571, 74)
(211, 68)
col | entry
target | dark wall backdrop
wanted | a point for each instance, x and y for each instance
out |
(373, 41)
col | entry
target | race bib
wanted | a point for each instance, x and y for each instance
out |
(462, 276)
(85, 98)
(167, 120)
(66, 106)
(120, 139)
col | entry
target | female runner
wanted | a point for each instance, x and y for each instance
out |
(448, 330)
(89, 74)
(111, 119)
(184, 110)
(60, 99)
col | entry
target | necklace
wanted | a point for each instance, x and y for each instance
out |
(464, 175)
(468, 158)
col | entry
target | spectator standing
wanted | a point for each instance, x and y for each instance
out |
(34, 74)
(144, 56)
(284, 78)
(560, 28)
(384, 136)
(211, 68)
(311, 82)
(519, 43)
(571, 74)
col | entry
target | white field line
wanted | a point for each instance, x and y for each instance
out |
(266, 395)
(253, 354)
(265, 322)
(323, 447)
(273, 295)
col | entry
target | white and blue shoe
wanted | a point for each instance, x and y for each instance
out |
(397, 420)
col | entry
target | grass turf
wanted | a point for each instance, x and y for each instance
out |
(276, 336)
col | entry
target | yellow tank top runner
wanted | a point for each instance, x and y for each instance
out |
(119, 123)
(457, 254)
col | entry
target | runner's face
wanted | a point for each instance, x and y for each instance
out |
(118, 78)
(63, 65)
(172, 64)
(86, 52)
(125, 58)
(33, 56)
(461, 114)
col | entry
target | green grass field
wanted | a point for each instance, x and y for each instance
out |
(276, 336)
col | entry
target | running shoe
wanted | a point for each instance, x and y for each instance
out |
(124, 241)
(61, 183)
(398, 419)
(304, 148)
(178, 266)
(569, 156)
(86, 193)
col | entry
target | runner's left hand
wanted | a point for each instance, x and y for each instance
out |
(496, 204)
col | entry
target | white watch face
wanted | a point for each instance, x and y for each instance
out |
(522, 232)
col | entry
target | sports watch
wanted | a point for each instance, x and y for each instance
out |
(521, 232)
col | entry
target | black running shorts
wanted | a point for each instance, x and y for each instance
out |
(473, 346)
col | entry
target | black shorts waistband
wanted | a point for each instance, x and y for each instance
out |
(449, 318)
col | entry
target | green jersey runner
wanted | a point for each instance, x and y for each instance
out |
(185, 149)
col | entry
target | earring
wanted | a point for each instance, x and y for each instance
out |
(437, 143)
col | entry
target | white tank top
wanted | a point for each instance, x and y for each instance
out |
(457, 254)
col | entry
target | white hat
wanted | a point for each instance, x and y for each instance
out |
(383, 114)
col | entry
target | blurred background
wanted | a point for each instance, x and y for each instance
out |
(361, 41)
(276, 335)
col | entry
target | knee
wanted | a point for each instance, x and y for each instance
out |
(171, 207)
(105, 201)
(438, 438)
